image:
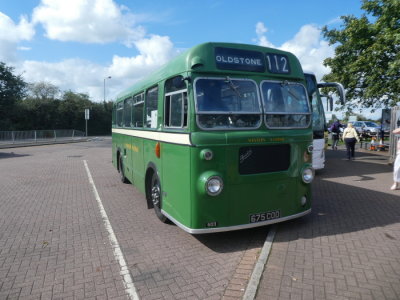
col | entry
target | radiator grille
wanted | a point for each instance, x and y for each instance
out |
(264, 159)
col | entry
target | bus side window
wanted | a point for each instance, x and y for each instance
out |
(127, 112)
(175, 108)
(120, 114)
(137, 111)
(151, 107)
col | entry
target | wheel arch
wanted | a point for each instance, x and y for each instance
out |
(118, 156)
(150, 170)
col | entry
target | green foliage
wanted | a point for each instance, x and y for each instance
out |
(12, 89)
(367, 56)
(37, 114)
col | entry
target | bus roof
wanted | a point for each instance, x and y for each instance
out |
(220, 58)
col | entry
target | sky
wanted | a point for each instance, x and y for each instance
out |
(78, 44)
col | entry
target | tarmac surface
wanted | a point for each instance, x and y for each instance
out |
(69, 229)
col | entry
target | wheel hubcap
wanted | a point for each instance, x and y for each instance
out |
(155, 195)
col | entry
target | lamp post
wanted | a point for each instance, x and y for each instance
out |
(104, 98)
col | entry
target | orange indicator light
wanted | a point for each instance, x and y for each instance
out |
(158, 149)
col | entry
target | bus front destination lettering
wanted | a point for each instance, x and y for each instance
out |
(238, 60)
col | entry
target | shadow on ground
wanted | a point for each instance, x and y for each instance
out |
(11, 155)
(225, 242)
(342, 207)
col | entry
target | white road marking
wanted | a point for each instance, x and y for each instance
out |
(124, 271)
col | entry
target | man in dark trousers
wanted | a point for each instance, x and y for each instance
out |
(335, 130)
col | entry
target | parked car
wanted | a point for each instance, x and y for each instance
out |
(367, 128)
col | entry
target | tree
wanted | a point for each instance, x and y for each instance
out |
(71, 110)
(38, 114)
(43, 90)
(12, 90)
(100, 118)
(43, 108)
(367, 56)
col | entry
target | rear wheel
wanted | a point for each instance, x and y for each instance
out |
(121, 170)
(156, 197)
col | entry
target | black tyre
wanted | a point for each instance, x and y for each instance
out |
(156, 197)
(121, 170)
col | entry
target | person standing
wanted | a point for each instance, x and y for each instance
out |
(335, 130)
(350, 137)
(396, 167)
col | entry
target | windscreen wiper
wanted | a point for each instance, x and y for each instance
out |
(233, 87)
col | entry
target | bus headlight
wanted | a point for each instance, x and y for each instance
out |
(214, 185)
(310, 149)
(307, 175)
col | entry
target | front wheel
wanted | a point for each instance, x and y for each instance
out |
(156, 197)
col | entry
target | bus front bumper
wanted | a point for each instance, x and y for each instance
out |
(236, 227)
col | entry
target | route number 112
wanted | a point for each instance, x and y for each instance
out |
(278, 63)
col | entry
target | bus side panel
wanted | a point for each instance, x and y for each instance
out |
(114, 150)
(137, 163)
(176, 182)
(127, 146)
(124, 144)
(118, 145)
(150, 158)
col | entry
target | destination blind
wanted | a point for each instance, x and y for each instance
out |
(239, 60)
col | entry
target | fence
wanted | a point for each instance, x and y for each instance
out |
(40, 136)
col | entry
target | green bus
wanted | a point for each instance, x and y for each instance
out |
(218, 139)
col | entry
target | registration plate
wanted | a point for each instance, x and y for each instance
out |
(265, 216)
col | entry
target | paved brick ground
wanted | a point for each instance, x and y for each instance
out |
(349, 247)
(53, 243)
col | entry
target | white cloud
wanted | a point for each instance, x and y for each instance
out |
(87, 77)
(311, 50)
(153, 52)
(14, 33)
(103, 21)
(262, 40)
(77, 75)
(24, 48)
(307, 45)
(90, 21)
(11, 34)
